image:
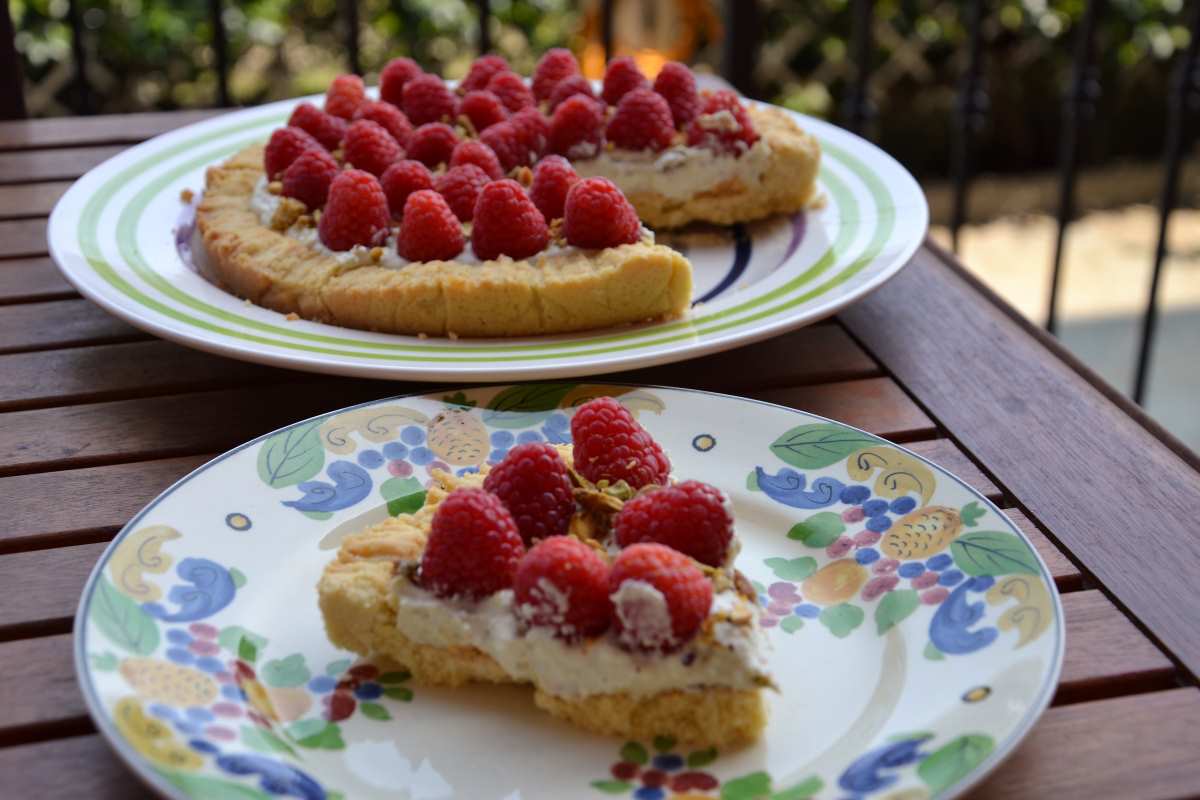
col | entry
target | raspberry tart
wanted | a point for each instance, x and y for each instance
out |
(582, 570)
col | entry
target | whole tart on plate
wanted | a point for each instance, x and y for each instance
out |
(282, 232)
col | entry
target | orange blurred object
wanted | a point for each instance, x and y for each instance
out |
(652, 32)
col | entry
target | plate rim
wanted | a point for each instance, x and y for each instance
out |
(145, 772)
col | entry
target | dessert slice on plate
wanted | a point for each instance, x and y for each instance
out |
(583, 571)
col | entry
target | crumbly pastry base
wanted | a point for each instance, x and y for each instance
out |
(559, 292)
(359, 609)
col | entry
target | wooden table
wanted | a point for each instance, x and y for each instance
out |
(90, 413)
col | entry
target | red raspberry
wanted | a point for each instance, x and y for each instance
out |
(691, 517)
(577, 128)
(427, 99)
(402, 179)
(660, 597)
(460, 186)
(621, 77)
(432, 144)
(430, 231)
(533, 483)
(483, 108)
(473, 546)
(533, 130)
(642, 122)
(507, 223)
(309, 176)
(345, 95)
(677, 85)
(391, 118)
(325, 128)
(568, 87)
(398, 72)
(481, 71)
(284, 147)
(722, 125)
(597, 214)
(611, 445)
(369, 146)
(470, 151)
(355, 213)
(563, 584)
(508, 145)
(511, 90)
(556, 65)
(553, 177)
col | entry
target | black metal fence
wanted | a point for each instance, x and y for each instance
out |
(743, 25)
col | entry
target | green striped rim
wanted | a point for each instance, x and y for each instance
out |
(667, 333)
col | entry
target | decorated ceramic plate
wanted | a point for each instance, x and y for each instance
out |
(916, 633)
(122, 236)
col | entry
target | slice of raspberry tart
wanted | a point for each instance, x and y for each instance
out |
(581, 570)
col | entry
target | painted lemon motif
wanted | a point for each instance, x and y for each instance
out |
(168, 683)
(289, 703)
(458, 437)
(921, 533)
(152, 738)
(834, 583)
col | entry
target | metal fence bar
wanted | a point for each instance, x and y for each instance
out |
(83, 93)
(350, 20)
(858, 104)
(220, 46)
(606, 28)
(1184, 101)
(485, 17)
(12, 79)
(743, 24)
(1079, 105)
(969, 115)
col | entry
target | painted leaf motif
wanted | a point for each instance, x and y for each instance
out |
(819, 445)
(525, 405)
(971, 513)
(842, 619)
(291, 456)
(231, 638)
(664, 744)
(336, 668)
(634, 752)
(265, 741)
(801, 791)
(401, 693)
(1034, 610)
(894, 608)
(122, 620)
(791, 623)
(792, 569)
(754, 786)
(374, 711)
(899, 472)
(949, 764)
(819, 530)
(611, 787)
(993, 553)
(247, 651)
(203, 787)
(701, 758)
(399, 676)
(403, 495)
(932, 653)
(327, 737)
(290, 671)
(103, 662)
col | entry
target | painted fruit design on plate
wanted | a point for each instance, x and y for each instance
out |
(168, 683)
(835, 582)
(458, 437)
(921, 533)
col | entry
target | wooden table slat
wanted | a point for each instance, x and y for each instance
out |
(77, 767)
(39, 166)
(1066, 575)
(31, 199)
(107, 129)
(25, 280)
(877, 405)
(60, 323)
(946, 455)
(45, 587)
(23, 238)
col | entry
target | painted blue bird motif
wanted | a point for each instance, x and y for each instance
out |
(351, 484)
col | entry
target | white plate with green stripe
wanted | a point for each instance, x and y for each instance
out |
(119, 235)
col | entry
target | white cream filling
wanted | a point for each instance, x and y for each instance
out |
(737, 659)
(679, 172)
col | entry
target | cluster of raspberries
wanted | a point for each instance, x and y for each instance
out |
(513, 534)
(431, 159)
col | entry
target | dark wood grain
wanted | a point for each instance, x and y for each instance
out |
(23, 238)
(1066, 575)
(38, 166)
(60, 323)
(31, 199)
(40, 694)
(107, 129)
(1110, 492)
(45, 587)
(877, 405)
(69, 769)
(24, 280)
(1143, 746)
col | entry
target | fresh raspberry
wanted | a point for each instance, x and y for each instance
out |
(611, 445)
(533, 483)
(511, 90)
(568, 87)
(642, 122)
(369, 146)
(432, 144)
(577, 128)
(284, 147)
(473, 547)
(677, 85)
(308, 177)
(427, 99)
(356, 212)
(597, 214)
(660, 597)
(621, 77)
(553, 177)
(507, 223)
(345, 95)
(325, 128)
(481, 71)
(471, 151)
(402, 179)
(563, 584)
(691, 517)
(483, 108)
(722, 125)
(391, 118)
(398, 72)
(533, 129)
(460, 186)
(556, 65)
(430, 231)
(508, 145)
